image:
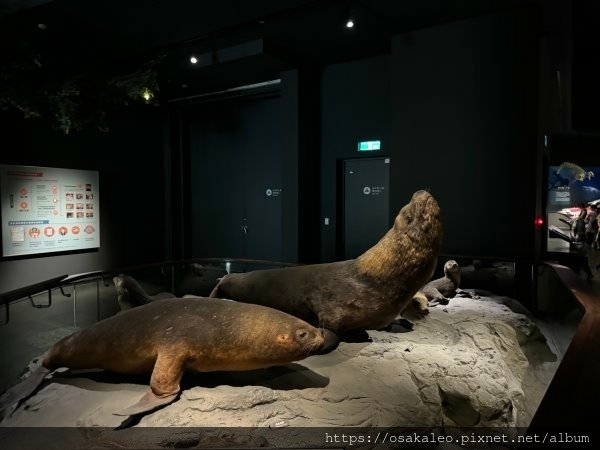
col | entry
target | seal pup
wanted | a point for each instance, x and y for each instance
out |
(358, 294)
(131, 294)
(441, 290)
(167, 338)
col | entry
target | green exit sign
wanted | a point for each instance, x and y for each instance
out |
(369, 146)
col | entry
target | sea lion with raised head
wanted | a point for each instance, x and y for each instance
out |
(441, 290)
(167, 338)
(358, 294)
(131, 294)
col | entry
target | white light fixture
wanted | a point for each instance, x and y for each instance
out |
(147, 95)
(193, 60)
(350, 23)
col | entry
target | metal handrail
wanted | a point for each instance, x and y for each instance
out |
(64, 280)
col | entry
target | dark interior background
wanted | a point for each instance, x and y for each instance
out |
(461, 95)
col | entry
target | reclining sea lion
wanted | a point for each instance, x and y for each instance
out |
(167, 338)
(358, 294)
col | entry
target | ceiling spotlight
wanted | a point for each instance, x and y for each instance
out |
(350, 23)
(193, 60)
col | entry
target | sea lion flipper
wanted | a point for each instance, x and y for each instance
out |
(148, 402)
(21, 391)
(164, 384)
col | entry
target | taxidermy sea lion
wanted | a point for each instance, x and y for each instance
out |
(441, 290)
(167, 338)
(358, 294)
(130, 294)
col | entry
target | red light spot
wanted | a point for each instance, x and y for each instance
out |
(539, 222)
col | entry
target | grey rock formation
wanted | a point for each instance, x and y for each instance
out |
(473, 362)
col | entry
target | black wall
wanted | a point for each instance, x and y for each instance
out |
(464, 123)
(454, 107)
(130, 161)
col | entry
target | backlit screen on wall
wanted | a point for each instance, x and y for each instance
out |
(569, 186)
(47, 210)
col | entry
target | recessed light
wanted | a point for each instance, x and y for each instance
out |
(350, 23)
(42, 26)
(193, 60)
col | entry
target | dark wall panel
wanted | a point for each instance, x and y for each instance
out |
(130, 161)
(463, 126)
(236, 179)
(355, 106)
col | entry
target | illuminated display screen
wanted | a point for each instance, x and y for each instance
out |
(569, 185)
(46, 210)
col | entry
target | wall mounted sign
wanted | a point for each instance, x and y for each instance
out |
(273, 192)
(368, 146)
(44, 209)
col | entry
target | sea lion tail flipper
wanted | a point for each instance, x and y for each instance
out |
(164, 384)
(10, 399)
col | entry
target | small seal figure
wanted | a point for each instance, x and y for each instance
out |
(130, 294)
(366, 293)
(167, 338)
(441, 290)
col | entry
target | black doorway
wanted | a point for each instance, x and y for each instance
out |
(366, 203)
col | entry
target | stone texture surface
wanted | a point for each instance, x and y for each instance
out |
(473, 362)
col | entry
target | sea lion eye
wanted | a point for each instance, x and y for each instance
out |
(301, 334)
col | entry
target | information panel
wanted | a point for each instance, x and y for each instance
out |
(48, 210)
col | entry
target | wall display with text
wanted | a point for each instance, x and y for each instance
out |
(48, 210)
(569, 186)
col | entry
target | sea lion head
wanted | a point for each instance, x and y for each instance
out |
(451, 267)
(420, 218)
(119, 281)
(294, 340)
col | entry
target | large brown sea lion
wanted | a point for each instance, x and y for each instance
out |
(168, 337)
(363, 293)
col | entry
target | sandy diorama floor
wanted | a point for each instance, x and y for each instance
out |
(473, 362)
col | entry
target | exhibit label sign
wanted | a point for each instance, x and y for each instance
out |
(48, 210)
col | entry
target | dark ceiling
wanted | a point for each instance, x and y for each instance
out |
(74, 36)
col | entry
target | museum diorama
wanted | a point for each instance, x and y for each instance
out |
(238, 233)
